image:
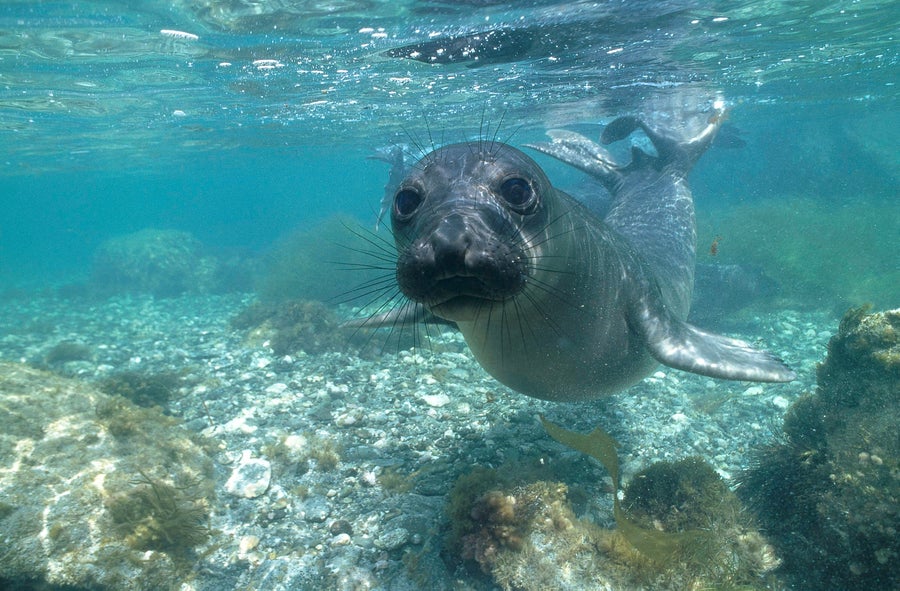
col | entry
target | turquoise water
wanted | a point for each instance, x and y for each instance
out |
(246, 120)
(241, 132)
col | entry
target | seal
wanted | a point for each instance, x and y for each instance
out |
(553, 301)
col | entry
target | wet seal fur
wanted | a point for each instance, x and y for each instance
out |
(553, 301)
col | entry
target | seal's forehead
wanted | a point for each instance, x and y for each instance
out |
(492, 158)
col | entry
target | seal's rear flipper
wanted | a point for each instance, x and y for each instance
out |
(680, 152)
(678, 344)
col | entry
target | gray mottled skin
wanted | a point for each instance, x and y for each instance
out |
(553, 301)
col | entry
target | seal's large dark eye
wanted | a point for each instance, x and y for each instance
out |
(517, 192)
(406, 202)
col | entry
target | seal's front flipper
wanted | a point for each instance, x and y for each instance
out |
(576, 150)
(404, 315)
(682, 346)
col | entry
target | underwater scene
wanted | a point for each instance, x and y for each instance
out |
(460, 295)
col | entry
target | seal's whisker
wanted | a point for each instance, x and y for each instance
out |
(362, 266)
(553, 291)
(393, 303)
(381, 245)
(548, 320)
(544, 269)
(517, 308)
(378, 287)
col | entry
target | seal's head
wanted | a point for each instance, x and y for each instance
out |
(464, 222)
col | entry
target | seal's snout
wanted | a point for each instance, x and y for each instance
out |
(451, 245)
(460, 259)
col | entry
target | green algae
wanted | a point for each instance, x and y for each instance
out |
(660, 546)
(821, 254)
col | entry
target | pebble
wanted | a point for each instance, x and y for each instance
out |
(754, 390)
(436, 400)
(392, 539)
(250, 478)
(316, 510)
(248, 543)
(276, 388)
(781, 402)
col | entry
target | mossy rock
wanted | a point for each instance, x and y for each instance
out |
(678, 496)
(291, 326)
(67, 453)
(830, 493)
(325, 262)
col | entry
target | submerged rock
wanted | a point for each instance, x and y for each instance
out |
(96, 492)
(829, 495)
(526, 535)
(165, 263)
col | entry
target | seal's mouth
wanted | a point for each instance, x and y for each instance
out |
(460, 297)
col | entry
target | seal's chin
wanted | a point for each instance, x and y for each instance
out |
(461, 298)
(462, 308)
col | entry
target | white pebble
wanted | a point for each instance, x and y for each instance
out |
(248, 543)
(250, 478)
(276, 388)
(436, 400)
(781, 402)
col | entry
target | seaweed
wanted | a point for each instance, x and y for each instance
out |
(66, 351)
(143, 389)
(659, 546)
(155, 515)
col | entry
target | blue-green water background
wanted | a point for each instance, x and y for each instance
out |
(109, 125)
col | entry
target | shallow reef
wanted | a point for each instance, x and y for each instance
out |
(98, 493)
(828, 494)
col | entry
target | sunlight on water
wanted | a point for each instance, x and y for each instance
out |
(317, 72)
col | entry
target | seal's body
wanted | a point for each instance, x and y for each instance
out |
(553, 301)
